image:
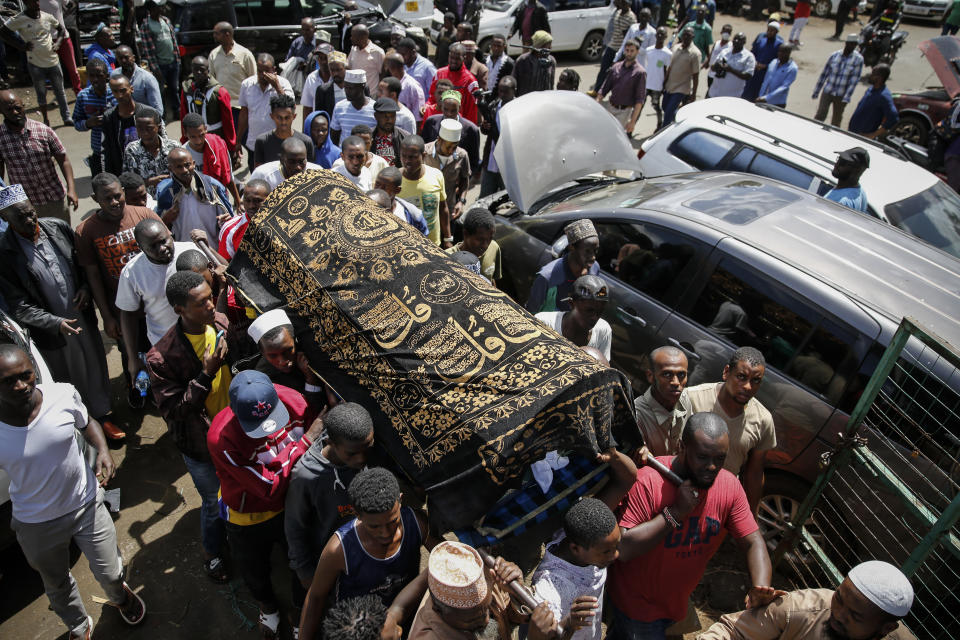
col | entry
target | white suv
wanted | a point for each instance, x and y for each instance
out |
(732, 134)
(576, 25)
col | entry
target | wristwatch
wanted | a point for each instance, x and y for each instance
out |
(450, 239)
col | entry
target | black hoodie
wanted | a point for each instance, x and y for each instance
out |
(317, 504)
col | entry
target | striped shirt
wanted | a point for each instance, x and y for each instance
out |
(622, 21)
(231, 235)
(346, 117)
(840, 75)
(88, 105)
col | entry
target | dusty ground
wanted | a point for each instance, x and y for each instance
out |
(158, 526)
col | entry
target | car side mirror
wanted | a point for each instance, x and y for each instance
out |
(558, 247)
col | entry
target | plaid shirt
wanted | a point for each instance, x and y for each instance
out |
(88, 105)
(840, 75)
(148, 46)
(28, 156)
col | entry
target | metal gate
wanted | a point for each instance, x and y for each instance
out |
(891, 490)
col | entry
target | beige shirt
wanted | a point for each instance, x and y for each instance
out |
(799, 615)
(428, 625)
(661, 428)
(684, 65)
(231, 69)
(370, 59)
(752, 429)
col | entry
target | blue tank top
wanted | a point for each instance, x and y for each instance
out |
(365, 574)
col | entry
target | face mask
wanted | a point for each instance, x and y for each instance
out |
(725, 36)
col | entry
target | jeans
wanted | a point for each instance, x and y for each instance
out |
(490, 182)
(605, 63)
(250, 547)
(671, 102)
(211, 526)
(46, 546)
(950, 29)
(655, 102)
(623, 627)
(40, 75)
(171, 85)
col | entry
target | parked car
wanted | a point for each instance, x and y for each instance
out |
(823, 287)
(735, 135)
(269, 26)
(576, 25)
(818, 8)
(922, 109)
(12, 333)
(925, 9)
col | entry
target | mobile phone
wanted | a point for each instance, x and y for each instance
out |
(216, 342)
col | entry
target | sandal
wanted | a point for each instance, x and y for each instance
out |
(216, 570)
(269, 623)
(134, 610)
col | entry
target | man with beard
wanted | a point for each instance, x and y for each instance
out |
(464, 82)
(554, 281)
(751, 428)
(663, 409)
(867, 605)
(387, 137)
(671, 532)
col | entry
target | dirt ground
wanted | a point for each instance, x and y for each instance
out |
(158, 525)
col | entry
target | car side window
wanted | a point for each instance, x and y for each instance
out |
(702, 149)
(568, 5)
(195, 17)
(764, 165)
(749, 309)
(649, 258)
(271, 12)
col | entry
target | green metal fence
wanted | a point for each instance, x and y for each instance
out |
(891, 489)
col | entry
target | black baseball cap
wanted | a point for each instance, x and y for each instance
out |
(385, 105)
(856, 155)
(590, 287)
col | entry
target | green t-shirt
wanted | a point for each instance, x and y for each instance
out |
(427, 193)
(163, 39)
(954, 14)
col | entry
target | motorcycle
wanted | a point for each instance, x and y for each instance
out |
(881, 38)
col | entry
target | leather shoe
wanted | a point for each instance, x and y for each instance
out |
(112, 431)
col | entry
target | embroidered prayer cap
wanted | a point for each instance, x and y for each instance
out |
(323, 35)
(580, 230)
(355, 76)
(884, 585)
(266, 322)
(255, 403)
(451, 94)
(541, 39)
(450, 130)
(337, 56)
(455, 575)
(11, 195)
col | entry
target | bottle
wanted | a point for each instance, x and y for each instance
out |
(143, 380)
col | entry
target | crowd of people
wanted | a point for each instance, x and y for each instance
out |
(275, 455)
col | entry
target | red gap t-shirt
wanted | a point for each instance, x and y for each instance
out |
(658, 584)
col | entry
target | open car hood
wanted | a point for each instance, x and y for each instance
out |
(943, 53)
(583, 138)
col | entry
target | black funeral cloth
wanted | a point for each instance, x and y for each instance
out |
(466, 388)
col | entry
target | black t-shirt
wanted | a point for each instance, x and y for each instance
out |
(267, 147)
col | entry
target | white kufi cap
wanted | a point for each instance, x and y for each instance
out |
(14, 193)
(355, 76)
(266, 322)
(450, 130)
(884, 585)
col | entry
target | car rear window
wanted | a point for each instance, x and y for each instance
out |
(932, 215)
(702, 149)
(743, 201)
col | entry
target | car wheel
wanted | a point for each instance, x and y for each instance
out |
(912, 128)
(822, 8)
(592, 47)
(782, 496)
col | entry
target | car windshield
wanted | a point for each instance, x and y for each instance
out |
(612, 196)
(498, 5)
(932, 215)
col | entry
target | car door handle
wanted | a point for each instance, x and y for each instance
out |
(631, 313)
(690, 353)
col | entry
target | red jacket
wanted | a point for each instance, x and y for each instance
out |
(254, 473)
(214, 105)
(216, 159)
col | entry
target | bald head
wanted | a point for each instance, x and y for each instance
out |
(707, 423)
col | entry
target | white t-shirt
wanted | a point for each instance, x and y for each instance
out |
(364, 181)
(310, 88)
(271, 172)
(257, 103)
(559, 583)
(730, 85)
(48, 474)
(600, 336)
(657, 62)
(146, 282)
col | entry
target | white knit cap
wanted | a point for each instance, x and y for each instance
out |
(266, 322)
(355, 76)
(774, 24)
(450, 130)
(884, 585)
(14, 193)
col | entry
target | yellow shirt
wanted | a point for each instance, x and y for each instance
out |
(427, 193)
(219, 396)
